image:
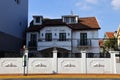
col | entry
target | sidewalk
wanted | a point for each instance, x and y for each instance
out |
(61, 76)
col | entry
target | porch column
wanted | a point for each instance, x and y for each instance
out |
(84, 62)
(55, 62)
(113, 61)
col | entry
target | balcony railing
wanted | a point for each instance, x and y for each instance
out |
(84, 42)
(45, 40)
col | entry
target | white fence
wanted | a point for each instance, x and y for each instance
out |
(40, 65)
(60, 65)
(70, 65)
(11, 66)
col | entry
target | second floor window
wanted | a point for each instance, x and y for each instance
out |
(62, 36)
(33, 37)
(48, 36)
(83, 38)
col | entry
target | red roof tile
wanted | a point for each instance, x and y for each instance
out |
(110, 34)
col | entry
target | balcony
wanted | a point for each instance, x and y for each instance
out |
(44, 44)
(84, 43)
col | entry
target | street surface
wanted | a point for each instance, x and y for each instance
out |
(61, 79)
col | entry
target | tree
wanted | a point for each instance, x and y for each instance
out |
(110, 43)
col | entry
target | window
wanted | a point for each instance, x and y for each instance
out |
(48, 36)
(37, 19)
(73, 20)
(66, 19)
(62, 36)
(33, 37)
(83, 38)
(70, 19)
(17, 1)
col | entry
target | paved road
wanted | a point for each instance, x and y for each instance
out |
(60, 79)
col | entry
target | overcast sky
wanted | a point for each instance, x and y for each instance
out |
(107, 12)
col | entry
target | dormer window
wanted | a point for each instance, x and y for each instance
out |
(37, 20)
(70, 19)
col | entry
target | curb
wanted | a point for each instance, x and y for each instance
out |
(60, 76)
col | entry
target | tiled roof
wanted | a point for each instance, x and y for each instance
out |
(110, 34)
(88, 23)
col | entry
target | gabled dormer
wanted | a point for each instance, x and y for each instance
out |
(37, 20)
(70, 19)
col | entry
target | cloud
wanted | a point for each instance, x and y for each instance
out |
(82, 6)
(92, 1)
(86, 4)
(116, 4)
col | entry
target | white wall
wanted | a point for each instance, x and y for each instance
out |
(91, 34)
(11, 66)
(99, 65)
(40, 66)
(55, 43)
(118, 68)
(60, 65)
(55, 29)
(70, 65)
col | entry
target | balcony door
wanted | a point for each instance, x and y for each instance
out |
(83, 39)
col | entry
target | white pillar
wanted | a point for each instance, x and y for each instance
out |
(84, 62)
(55, 62)
(113, 61)
(25, 62)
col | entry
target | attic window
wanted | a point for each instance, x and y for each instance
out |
(37, 19)
(70, 19)
(73, 20)
(17, 1)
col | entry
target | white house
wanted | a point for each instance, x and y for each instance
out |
(69, 34)
(13, 22)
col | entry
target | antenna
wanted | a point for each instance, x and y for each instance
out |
(72, 12)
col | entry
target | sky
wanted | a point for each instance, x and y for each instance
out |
(107, 12)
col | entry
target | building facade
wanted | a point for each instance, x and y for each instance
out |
(118, 37)
(13, 22)
(69, 34)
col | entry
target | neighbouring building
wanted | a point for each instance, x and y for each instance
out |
(68, 34)
(13, 22)
(118, 37)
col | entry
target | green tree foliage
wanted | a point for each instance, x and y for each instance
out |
(110, 44)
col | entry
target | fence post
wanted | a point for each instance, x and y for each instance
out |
(55, 62)
(113, 61)
(84, 61)
(25, 62)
